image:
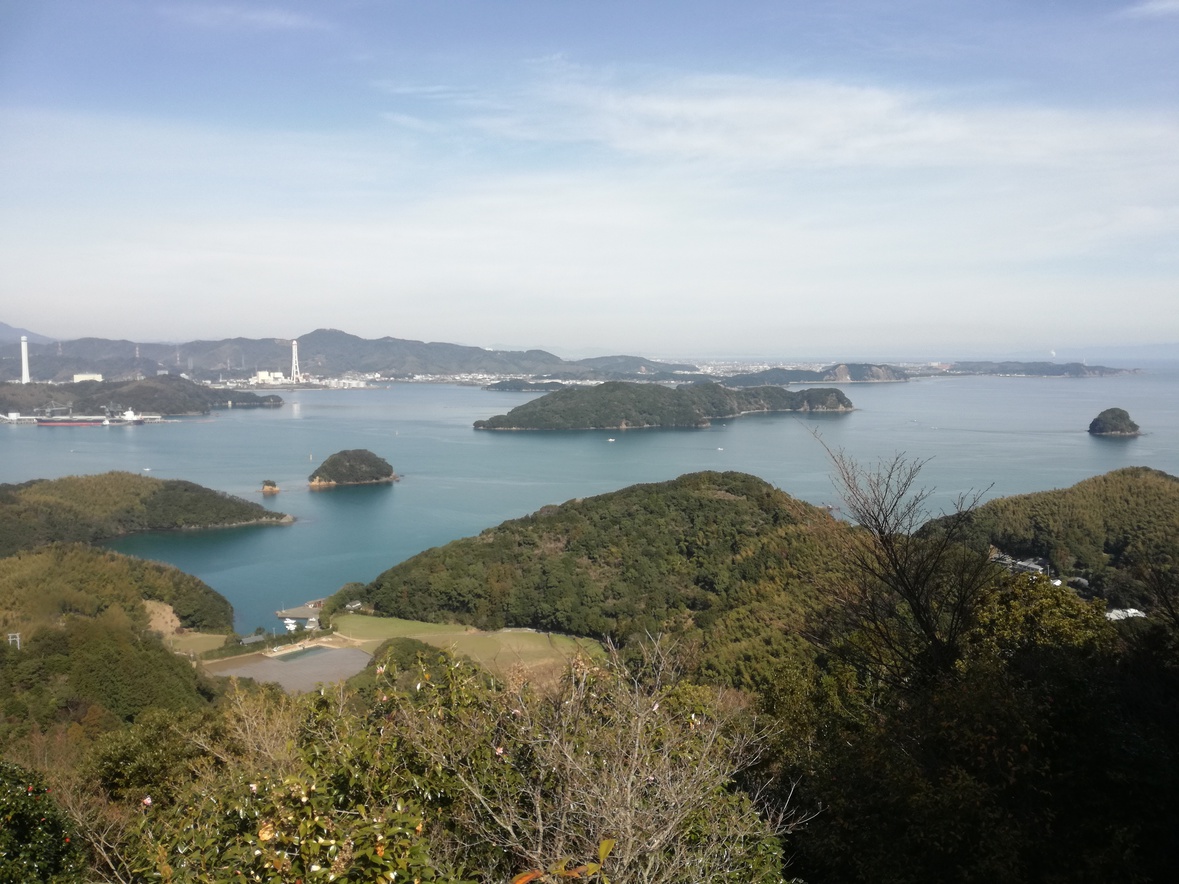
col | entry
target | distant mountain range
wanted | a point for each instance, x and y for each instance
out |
(333, 353)
(327, 352)
(10, 334)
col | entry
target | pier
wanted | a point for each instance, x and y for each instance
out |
(305, 611)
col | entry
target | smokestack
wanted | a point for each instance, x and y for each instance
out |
(295, 361)
(24, 359)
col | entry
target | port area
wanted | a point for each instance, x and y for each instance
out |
(306, 611)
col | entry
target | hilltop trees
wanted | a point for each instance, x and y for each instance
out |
(912, 594)
(964, 724)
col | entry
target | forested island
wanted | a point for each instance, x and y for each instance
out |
(842, 373)
(519, 385)
(356, 466)
(1113, 422)
(792, 697)
(1038, 369)
(621, 405)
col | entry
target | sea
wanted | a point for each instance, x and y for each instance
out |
(994, 435)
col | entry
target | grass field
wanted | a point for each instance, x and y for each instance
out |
(194, 642)
(535, 653)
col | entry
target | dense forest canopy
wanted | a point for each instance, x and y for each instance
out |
(1099, 526)
(98, 507)
(41, 587)
(86, 654)
(620, 405)
(723, 558)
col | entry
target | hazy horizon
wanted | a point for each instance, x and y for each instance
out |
(689, 179)
(1139, 355)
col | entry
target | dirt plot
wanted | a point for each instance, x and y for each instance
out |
(161, 617)
(298, 670)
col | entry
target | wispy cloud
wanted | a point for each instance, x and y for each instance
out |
(599, 201)
(766, 124)
(231, 17)
(1153, 9)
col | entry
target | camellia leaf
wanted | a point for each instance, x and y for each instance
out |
(604, 849)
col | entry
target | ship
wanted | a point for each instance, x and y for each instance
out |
(72, 420)
(110, 419)
(127, 418)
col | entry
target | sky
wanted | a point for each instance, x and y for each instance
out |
(666, 177)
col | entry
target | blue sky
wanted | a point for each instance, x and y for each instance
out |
(682, 178)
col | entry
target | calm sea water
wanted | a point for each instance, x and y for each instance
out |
(1013, 435)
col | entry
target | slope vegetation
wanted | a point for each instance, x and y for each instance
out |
(1098, 524)
(43, 587)
(87, 657)
(724, 559)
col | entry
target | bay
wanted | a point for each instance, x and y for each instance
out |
(1004, 435)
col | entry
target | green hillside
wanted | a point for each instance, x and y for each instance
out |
(724, 559)
(42, 587)
(86, 653)
(1100, 524)
(620, 405)
(94, 508)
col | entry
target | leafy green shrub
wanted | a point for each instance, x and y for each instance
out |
(36, 842)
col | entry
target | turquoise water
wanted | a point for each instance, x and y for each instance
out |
(1012, 435)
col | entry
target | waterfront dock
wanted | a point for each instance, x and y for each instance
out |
(305, 611)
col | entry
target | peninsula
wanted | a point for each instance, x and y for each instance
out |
(621, 405)
(91, 509)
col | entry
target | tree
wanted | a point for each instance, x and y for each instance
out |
(963, 724)
(911, 601)
(526, 781)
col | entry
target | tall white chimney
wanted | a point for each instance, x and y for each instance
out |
(24, 359)
(295, 361)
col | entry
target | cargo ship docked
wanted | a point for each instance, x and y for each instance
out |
(123, 419)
